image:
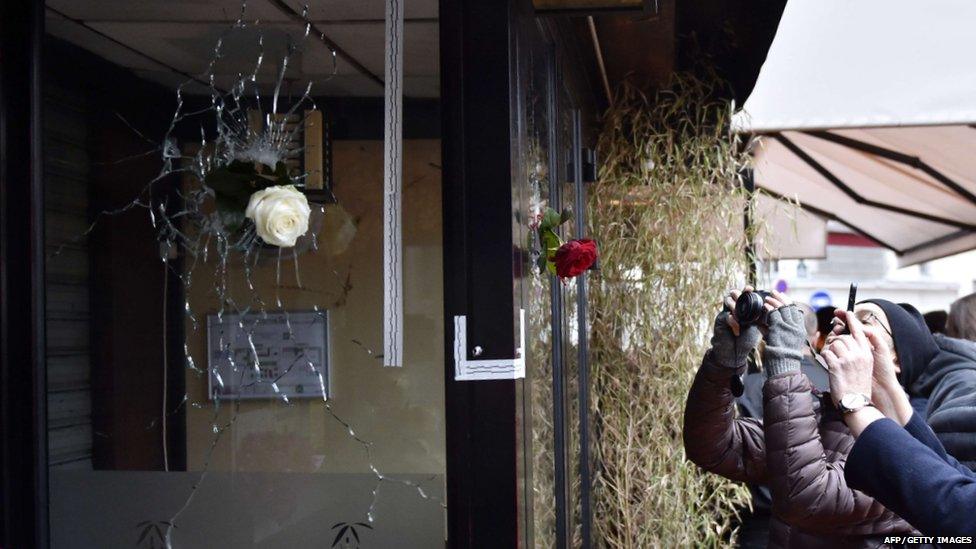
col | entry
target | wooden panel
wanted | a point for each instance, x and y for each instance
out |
(313, 149)
(127, 292)
(64, 228)
(65, 335)
(68, 372)
(69, 408)
(69, 266)
(68, 301)
(65, 157)
(638, 48)
(68, 307)
(67, 188)
(105, 289)
(70, 445)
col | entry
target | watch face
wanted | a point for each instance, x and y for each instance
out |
(853, 401)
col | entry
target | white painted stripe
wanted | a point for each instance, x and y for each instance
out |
(392, 185)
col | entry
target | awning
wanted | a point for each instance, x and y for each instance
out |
(788, 231)
(866, 112)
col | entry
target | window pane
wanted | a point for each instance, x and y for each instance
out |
(188, 374)
(531, 185)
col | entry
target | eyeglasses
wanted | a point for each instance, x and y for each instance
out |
(872, 320)
(869, 319)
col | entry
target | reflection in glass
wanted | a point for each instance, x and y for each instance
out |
(301, 436)
(532, 195)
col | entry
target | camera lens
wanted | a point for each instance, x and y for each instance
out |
(749, 308)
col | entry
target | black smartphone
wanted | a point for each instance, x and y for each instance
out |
(852, 297)
(851, 301)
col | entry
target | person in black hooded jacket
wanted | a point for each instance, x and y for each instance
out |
(896, 458)
(937, 372)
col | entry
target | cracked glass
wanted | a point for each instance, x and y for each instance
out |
(207, 388)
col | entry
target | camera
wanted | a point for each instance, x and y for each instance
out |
(749, 307)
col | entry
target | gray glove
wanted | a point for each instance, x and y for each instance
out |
(784, 341)
(727, 349)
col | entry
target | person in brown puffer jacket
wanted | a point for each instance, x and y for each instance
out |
(798, 449)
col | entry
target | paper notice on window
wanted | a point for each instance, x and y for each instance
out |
(277, 355)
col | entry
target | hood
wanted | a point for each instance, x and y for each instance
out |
(954, 355)
(914, 343)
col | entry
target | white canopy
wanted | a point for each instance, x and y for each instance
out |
(789, 232)
(866, 111)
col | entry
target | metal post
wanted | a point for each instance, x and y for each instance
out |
(23, 391)
(559, 416)
(482, 427)
(582, 340)
(749, 184)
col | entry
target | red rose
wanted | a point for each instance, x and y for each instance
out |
(574, 257)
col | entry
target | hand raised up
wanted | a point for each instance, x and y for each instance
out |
(886, 392)
(731, 342)
(850, 361)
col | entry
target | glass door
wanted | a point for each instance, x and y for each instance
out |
(555, 392)
(209, 383)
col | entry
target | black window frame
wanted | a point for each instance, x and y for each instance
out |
(23, 391)
(482, 425)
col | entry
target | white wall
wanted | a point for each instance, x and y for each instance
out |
(929, 286)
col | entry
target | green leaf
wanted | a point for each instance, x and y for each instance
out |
(231, 178)
(551, 267)
(234, 184)
(550, 242)
(550, 219)
(241, 179)
(566, 215)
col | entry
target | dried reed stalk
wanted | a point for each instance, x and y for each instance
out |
(668, 215)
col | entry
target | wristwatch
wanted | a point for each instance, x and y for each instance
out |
(852, 402)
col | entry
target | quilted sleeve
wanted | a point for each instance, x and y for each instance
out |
(714, 438)
(807, 490)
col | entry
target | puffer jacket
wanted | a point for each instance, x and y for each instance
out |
(798, 450)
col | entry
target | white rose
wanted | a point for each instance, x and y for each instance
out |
(280, 214)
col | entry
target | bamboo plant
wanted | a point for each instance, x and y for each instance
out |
(668, 215)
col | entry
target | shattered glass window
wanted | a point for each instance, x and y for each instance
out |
(214, 228)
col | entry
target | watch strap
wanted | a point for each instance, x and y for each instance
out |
(865, 401)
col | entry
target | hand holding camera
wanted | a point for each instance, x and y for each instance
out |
(747, 316)
(748, 306)
(732, 341)
(783, 321)
(785, 335)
